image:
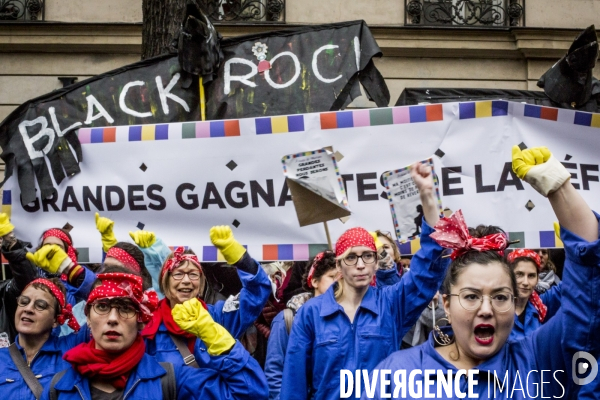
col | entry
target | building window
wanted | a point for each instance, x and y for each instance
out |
(245, 10)
(480, 13)
(21, 10)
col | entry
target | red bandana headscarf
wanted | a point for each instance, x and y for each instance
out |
(535, 299)
(114, 368)
(164, 308)
(124, 258)
(118, 284)
(453, 233)
(57, 233)
(311, 272)
(354, 237)
(65, 313)
(177, 259)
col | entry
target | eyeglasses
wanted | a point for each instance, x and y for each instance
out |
(39, 304)
(368, 257)
(194, 276)
(126, 311)
(471, 301)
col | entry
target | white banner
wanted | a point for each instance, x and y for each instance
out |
(180, 179)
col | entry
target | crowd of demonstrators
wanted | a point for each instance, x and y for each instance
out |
(318, 278)
(353, 325)
(138, 325)
(479, 292)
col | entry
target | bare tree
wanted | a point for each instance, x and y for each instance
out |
(162, 19)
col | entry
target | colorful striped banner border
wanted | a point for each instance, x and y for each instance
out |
(549, 239)
(547, 113)
(210, 129)
(382, 116)
(272, 252)
(7, 202)
(280, 124)
(483, 109)
(587, 119)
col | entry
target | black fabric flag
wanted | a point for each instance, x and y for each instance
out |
(311, 69)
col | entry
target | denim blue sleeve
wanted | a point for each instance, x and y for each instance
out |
(387, 277)
(154, 257)
(276, 347)
(297, 367)
(578, 319)
(409, 297)
(237, 315)
(552, 299)
(237, 377)
(81, 293)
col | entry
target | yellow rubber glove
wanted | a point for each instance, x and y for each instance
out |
(193, 318)
(51, 258)
(143, 239)
(538, 167)
(105, 227)
(222, 237)
(5, 226)
(378, 243)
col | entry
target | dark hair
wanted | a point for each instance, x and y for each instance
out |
(45, 288)
(138, 256)
(66, 245)
(326, 264)
(478, 257)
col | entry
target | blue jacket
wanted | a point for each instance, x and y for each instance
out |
(279, 337)
(550, 348)
(551, 298)
(322, 331)
(238, 376)
(45, 364)
(387, 277)
(276, 348)
(234, 315)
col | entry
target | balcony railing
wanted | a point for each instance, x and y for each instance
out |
(21, 10)
(245, 10)
(479, 13)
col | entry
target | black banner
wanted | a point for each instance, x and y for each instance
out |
(311, 69)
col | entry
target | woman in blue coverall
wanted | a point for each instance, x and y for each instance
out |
(114, 363)
(181, 279)
(479, 301)
(531, 309)
(353, 325)
(39, 311)
(317, 279)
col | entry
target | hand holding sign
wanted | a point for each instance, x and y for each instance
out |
(413, 194)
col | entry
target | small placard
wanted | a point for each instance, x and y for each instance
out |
(405, 202)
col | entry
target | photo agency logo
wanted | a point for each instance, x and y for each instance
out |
(584, 368)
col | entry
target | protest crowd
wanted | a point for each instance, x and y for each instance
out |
(151, 322)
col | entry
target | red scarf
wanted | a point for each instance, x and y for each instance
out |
(113, 368)
(163, 314)
(539, 305)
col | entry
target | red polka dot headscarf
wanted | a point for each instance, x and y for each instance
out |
(57, 233)
(179, 258)
(65, 312)
(354, 237)
(122, 285)
(124, 258)
(525, 253)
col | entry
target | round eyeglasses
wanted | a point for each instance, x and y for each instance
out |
(126, 311)
(194, 276)
(368, 257)
(471, 301)
(39, 304)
